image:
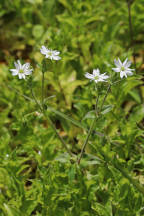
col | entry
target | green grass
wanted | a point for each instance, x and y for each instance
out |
(37, 174)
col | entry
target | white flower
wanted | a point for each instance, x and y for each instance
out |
(123, 68)
(51, 54)
(96, 76)
(21, 70)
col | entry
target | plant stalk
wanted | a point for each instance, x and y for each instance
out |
(51, 123)
(93, 122)
(42, 89)
(129, 2)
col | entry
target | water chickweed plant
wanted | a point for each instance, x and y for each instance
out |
(71, 108)
(124, 70)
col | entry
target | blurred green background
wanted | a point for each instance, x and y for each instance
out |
(36, 176)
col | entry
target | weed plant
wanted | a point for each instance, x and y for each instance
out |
(72, 108)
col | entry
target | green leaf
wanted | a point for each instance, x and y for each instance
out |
(106, 109)
(38, 30)
(76, 123)
(90, 115)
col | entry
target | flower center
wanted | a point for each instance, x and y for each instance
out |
(50, 53)
(122, 68)
(96, 77)
(21, 71)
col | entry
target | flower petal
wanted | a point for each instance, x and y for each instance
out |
(96, 72)
(28, 72)
(44, 50)
(129, 73)
(116, 69)
(89, 76)
(19, 65)
(20, 76)
(16, 65)
(124, 63)
(56, 57)
(56, 52)
(118, 63)
(26, 66)
(14, 72)
(122, 74)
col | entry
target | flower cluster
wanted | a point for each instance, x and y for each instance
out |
(23, 70)
(122, 68)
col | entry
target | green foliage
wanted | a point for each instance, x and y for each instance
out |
(37, 175)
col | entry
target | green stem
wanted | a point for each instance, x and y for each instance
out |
(129, 2)
(25, 96)
(42, 89)
(92, 124)
(86, 141)
(108, 89)
(96, 105)
(51, 123)
(36, 101)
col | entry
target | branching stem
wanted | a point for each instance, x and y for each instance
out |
(129, 3)
(51, 123)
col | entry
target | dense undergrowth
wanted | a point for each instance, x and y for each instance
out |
(37, 175)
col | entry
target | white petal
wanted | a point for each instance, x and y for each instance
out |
(129, 73)
(14, 71)
(16, 65)
(28, 72)
(124, 63)
(89, 76)
(116, 69)
(129, 69)
(96, 81)
(118, 63)
(47, 56)
(19, 64)
(122, 74)
(14, 74)
(44, 50)
(23, 76)
(56, 52)
(100, 79)
(56, 58)
(20, 76)
(96, 72)
(26, 66)
(128, 64)
(105, 77)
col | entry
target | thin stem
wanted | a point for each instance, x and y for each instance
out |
(42, 89)
(108, 89)
(129, 2)
(51, 123)
(86, 141)
(56, 111)
(57, 134)
(25, 96)
(62, 92)
(36, 101)
(92, 124)
(90, 129)
(96, 104)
